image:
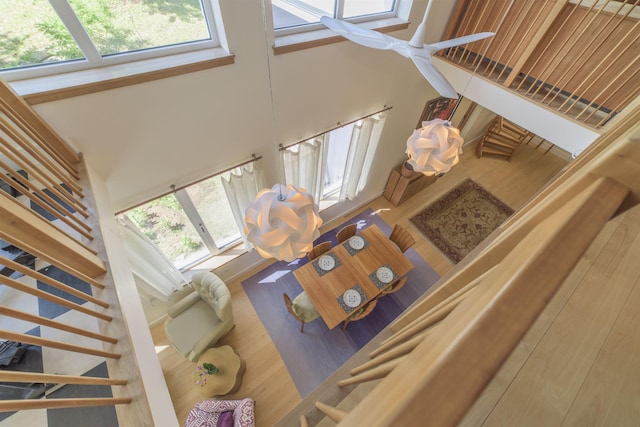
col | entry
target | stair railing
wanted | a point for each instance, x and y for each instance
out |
(47, 212)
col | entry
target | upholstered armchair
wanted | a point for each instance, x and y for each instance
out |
(231, 413)
(200, 319)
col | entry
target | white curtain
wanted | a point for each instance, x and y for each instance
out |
(155, 276)
(364, 141)
(303, 166)
(241, 186)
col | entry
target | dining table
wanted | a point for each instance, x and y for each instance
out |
(344, 279)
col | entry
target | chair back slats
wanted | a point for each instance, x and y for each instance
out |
(402, 238)
(346, 232)
(318, 250)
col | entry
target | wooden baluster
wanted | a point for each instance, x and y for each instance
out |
(334, 413)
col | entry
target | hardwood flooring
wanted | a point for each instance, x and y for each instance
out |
(267, 380)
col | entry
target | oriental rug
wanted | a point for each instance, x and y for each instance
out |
(314, 355)
(458, 221)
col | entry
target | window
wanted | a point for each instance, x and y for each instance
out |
(43, 37)
(190, 224)
(334, 166)
(290, 16)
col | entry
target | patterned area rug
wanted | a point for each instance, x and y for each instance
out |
(461, 219)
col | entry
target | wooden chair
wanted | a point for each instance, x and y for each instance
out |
(401, 237)
(394, 287)
(346, 232)
(318, 250)
(361, 313)
(301, 308)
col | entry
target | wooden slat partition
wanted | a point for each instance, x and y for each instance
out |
(19, 405)
(50, 214)
(50, 140)
(577, 57)
(39, 320)
(44, 342)
(471, 344)
(51, 282)
(39, 237)
(39, 175)
(31, 377)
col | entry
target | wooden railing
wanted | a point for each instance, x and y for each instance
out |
(47, 215)
(447, 347)
(577, 57)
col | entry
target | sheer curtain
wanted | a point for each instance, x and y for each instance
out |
(155, 276)
(364, 141)
(303, 166)
(241, 186)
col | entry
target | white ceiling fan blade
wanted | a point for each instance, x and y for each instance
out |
(458, 41)
(433, 76)
(362, 36)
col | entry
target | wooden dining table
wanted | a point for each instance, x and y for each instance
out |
(333, 291)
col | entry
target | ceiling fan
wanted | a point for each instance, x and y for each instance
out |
(414, 49)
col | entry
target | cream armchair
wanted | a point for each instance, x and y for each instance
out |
(199, 320)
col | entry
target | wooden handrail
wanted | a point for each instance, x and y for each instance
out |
(471, 344)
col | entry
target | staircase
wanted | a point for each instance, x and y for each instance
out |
(502, 138)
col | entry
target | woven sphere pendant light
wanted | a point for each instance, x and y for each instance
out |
(434, 148)
(282, 222)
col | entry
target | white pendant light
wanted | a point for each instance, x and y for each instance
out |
(434, 148)
(282, 222)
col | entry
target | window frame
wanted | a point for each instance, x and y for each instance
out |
(93, 60)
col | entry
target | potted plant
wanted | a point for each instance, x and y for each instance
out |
(205, 370)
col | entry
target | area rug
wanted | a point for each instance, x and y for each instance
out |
(314, 355)
(461, 219)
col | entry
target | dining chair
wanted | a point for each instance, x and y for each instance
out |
(360, 313)
(318, 250)
(301, 308)
(346, 232)
(394, 287)
(401, 237)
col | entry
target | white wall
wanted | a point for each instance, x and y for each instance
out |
(144, 138)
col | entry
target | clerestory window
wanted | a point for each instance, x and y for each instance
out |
(292, 16)
(45, 37)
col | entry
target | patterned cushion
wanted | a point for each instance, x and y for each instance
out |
(225, 419)
(304, 308)
(208, 412)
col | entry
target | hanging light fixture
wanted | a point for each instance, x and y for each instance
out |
(434, 148)
(282, 222)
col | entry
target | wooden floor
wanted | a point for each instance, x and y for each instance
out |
(267, 380)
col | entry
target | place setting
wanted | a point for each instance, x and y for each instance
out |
(352, 298)
(326, 263)
(383, 276)
(355, 244)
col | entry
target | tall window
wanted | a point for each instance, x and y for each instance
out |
(77, 34)
(335, 165)
(294, 15)
(189, 225)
